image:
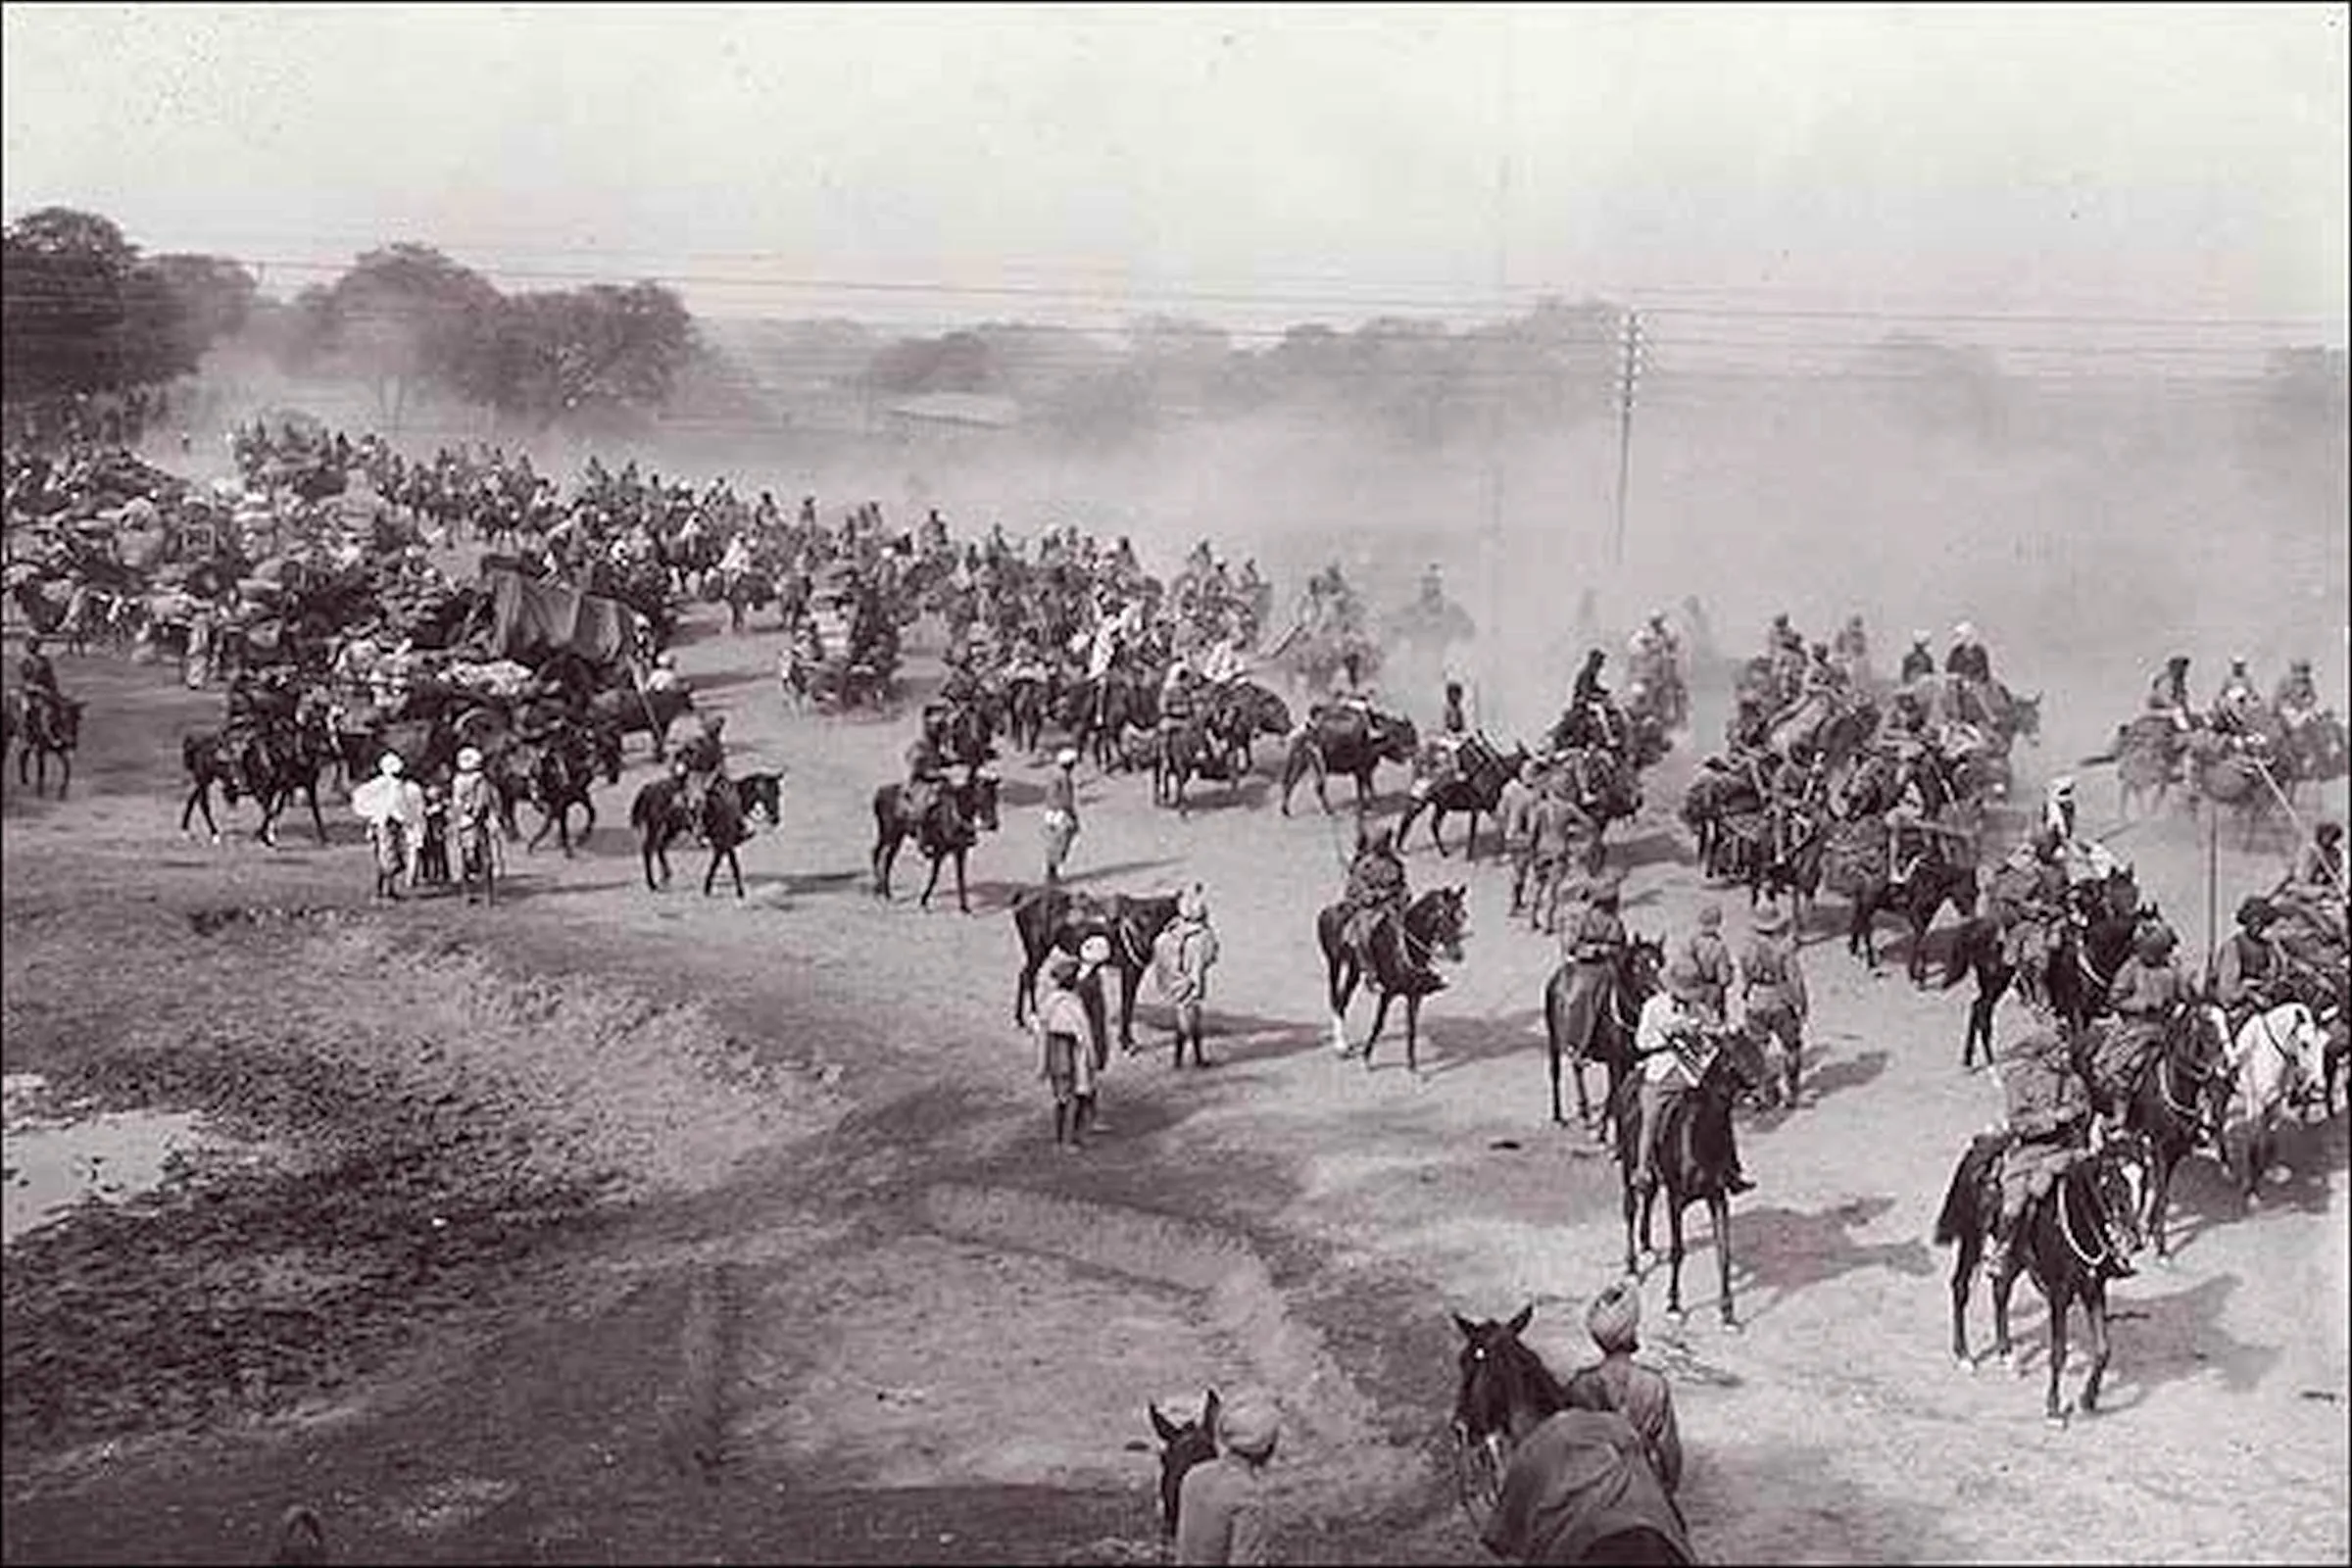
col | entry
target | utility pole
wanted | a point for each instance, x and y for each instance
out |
(1627, 374)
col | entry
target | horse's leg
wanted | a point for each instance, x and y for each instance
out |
(1633, 1204)
(1340, 991)
(1130, 981)
(547, 819)
(1553, 1052)
(2160, 1195)
(1719, 1215)
(735, 870)
(310, 791)
(2002, 1284)
(646, 852)
(1412, 1033)
(931, 883)
(2058, 1297)
(1674, 1254)
(1380, 1019)
(963, 902)
(1969, 1249)
(2094, 1317)
(711, 872)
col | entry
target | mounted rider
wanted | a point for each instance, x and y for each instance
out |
(2029, 900)
(926, 767)
(2148, 994)
(1908, 841)
(1446, 746)
(1654, 663)
(2049, 1116)
(706, 756)
(2314, 885)
(2168, 693)
(1592, 945)
(1967, 657)
(2249, 972)
(1919, 661)
(38, 677)
(1671, 1050)
(1850, 648)
(2239, 703)
(1376, 885)
(2296, 702)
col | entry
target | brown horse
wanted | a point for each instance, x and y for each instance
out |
(957, 814)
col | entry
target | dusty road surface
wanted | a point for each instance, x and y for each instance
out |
(614, 1226)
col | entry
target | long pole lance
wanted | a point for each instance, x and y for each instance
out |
(1625, 418)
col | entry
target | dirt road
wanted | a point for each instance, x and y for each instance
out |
(706, 1230)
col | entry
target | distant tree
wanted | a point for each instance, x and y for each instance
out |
(404, 318)
(86, 313)
(604, 353)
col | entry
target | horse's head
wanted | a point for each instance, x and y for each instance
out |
(1497, 1377)
(1439, 919)
(1737, 1066)
(1183, 1445)
(2117, 1178)
(1394, 737)
(979, 799)
(1639, 966)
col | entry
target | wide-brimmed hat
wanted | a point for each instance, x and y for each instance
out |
(469, 760)
(1770, 921)
(1248, 1424)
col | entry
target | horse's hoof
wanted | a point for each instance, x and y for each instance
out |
(2055, 1420)
(1966, 1363)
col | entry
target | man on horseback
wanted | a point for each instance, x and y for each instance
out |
(2237, 704)
(1594, 945)
(1966, 657)
(2168, 693)
(1850, 648)
(1668, 1046)
(2249, 971)
(38, 677)
(1919, 661)
(705, 758)
(1376, 885)
(2314, 885)
(2029, 899)
(2296, 702)
(2048, 1116)
(2148, 994)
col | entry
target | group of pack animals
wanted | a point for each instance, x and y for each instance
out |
(2253, 769)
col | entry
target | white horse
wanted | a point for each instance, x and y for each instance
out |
(2276, 1060)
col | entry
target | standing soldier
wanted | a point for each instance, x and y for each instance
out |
(1062, 1029)
(1515, 811)
(1705, 951)
(1061, 825)
(1591, 946)
(1558, 827)
(1776, 1000)
(1181, 956)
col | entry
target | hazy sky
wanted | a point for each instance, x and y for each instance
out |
(1251, 164)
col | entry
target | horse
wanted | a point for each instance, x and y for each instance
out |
(2278, 1057)
(1187, 750)
(1788, 859)
(1096, 711)
(1343, 741)
(2071, 1240)
(1182, 1446)
(660, 814)
(44, 729)
(728, 805)
(1696, 1159)
(1606, 1035)
(557, 777)
(1241, 711)
(1027, 699)
(2091, 947)
(1048, 918)
(1976, 949)
(1856, 865)
(1395, 960)
(2170, 1104)
(1473, 787)
(1715, 795)
(1503, 1392)
(957, 815)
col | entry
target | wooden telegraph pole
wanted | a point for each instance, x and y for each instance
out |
(1629, 371)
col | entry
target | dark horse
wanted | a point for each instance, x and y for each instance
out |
(1857, 868)
(556, 777)
(1052, 917)
(1695, 1158)
(660, 813)
(1183, 1446)
(959, 815)
(1188, 751)
(728, 807)
(270, 766)
(1504, 1392)
(1607, 1033)
(2092, 942)
(2071, 1239)
(1395, 960)
(2169, 1102)
(44, 729)
(1339, 741)
(1474, 788)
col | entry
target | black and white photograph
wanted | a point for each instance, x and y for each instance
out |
(1175, 783)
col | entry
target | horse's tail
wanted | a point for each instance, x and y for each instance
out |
(1960, 1213)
